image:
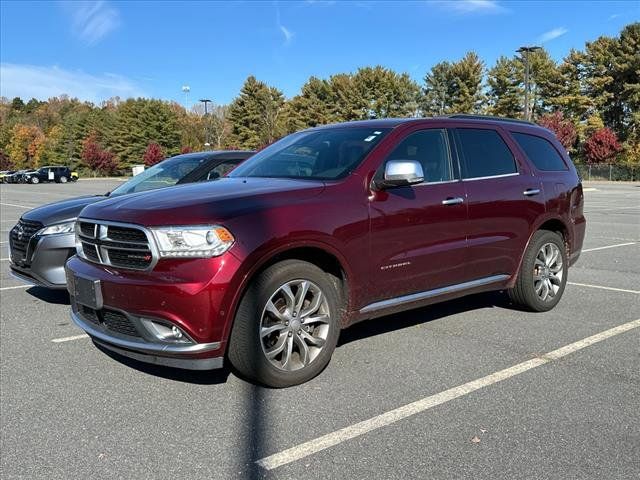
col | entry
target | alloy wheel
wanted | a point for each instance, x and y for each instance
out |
(294, 325)
(548, 272)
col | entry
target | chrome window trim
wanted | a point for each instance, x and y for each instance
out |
(155, 254)
(504, 175)
(414, 297)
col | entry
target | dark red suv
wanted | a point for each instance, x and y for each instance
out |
(327, 227)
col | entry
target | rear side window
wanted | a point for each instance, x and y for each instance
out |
(540, 151)
(431, 149)
(484, 153)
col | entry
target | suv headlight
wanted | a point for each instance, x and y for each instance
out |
(64, 227)
(200, 241)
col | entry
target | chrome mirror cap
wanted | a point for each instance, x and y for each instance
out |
(401, 172)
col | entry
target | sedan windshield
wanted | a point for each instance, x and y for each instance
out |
(323, 154)
(164, 174)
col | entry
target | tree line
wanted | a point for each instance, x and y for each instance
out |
(590, 99)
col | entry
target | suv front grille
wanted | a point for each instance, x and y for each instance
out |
(110, 319)
(115, 245)
(21, 235)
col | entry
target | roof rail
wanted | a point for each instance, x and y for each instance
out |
(488, 117)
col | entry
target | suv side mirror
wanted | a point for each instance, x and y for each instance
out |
(398, 173)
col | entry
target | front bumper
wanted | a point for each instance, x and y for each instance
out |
(44, 262)
(177, 356)
(193, 295)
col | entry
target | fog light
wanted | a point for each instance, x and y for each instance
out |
(164, 332)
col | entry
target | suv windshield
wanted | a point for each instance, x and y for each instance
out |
(164, 174)
(324, 154)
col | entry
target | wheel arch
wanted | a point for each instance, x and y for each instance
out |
(320, 254)
(553, 223)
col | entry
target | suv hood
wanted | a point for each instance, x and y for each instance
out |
(203, 203)
(61, 211)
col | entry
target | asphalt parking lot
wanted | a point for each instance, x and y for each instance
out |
(467, 389)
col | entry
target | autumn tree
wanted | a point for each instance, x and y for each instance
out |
(153, 154)
(26, 146)
(96, 158)
(5, 161)
(601, 147)
(564, 129)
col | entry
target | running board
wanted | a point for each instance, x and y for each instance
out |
(415, 297)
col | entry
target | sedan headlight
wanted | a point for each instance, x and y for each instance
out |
(201, 241)
(65, 227)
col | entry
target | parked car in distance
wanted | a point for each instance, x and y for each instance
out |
(14, 177)
(43, 239)
(50, 173)
(4, 174)
(324, 228)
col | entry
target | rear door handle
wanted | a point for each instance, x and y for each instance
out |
(453, 201)
(529, 192)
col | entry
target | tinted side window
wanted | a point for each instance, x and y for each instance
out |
(220, 170)
(430, 148)
(540, 151)
(484, 153)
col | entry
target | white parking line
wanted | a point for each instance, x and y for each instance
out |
(608, 246)
(16, 287)
(637, 292)
(69, 339)
(334, 438)
(18, 206)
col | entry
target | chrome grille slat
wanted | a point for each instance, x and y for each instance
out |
(116, 245)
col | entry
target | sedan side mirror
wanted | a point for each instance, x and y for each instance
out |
(398, 173)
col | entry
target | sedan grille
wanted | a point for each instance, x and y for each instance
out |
(115, 245)
(21, 234)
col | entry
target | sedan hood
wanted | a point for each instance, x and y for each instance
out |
(61, 211)
(203, 202)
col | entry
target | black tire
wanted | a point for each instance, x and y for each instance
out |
(245, 350)
(523, 293)
(63, 179)
(35, 180)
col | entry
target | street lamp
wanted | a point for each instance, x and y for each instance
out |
(525, 51)
(186, 89)
(206, 101)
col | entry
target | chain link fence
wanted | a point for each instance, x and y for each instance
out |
(608, 172)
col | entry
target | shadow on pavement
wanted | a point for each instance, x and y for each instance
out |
(410, 318)
(200, 377)
(56, 297)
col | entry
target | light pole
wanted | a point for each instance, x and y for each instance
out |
(525, 51)
(186, 89)
(206, 124)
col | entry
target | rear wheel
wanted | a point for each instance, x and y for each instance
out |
(543, 274)
(63, 179)
(287, 325)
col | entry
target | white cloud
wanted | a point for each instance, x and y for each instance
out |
(288, 35)
(27, 81)
(472, 6)
(92, 20)
(552, 34)
(613, 16)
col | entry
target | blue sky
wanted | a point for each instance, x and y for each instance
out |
(95, 50)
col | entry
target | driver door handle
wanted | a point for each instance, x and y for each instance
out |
(452, 201)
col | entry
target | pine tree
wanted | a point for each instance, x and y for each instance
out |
(437, 90)
(505, 91)
(466, 78)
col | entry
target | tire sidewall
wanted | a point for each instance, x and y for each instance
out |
(540, 239)
(35, 180)
(63, 179)
(251, 309)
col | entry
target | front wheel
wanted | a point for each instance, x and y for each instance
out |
(35, 180)
(287, 325)
(543, 274)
